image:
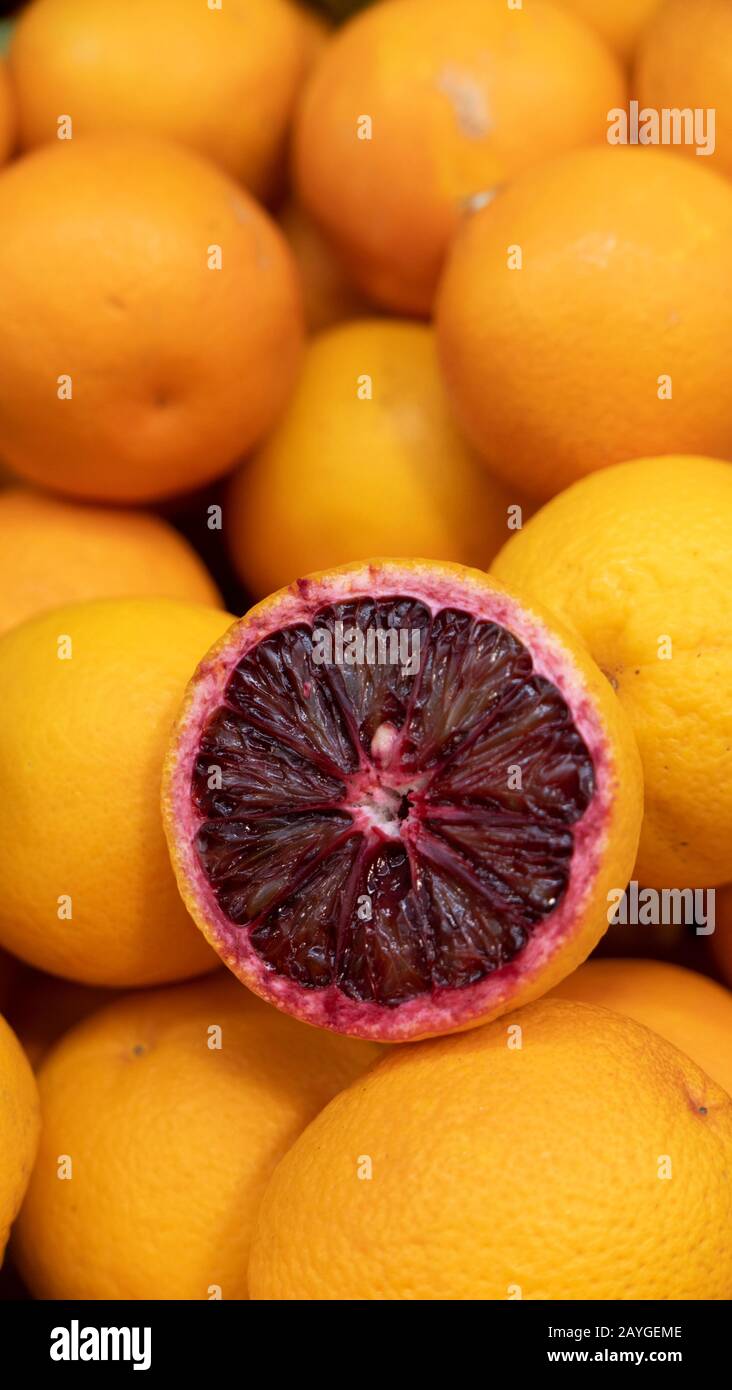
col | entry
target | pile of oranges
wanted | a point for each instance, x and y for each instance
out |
(285, 287)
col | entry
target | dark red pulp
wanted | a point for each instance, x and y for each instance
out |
(387, 828)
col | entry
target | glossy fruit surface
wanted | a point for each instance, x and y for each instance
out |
(53, 552)
(160, 369)
(637, 560)
(366, 460)
(396, 799)
(563, 1152)
(419, 110)
(688, 1009)
(605, 342)
(174, 1106)
(89, 693)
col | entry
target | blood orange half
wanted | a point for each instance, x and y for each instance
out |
(397, 797)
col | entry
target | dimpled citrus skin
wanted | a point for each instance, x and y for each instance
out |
(19, 1128)
(223, 82)
(7, 113)
(629, 558)
(720, 941)
(620, 23)
(171, 1140)
(689, 1010)
(554, 368)
(81, 753)
(500, 1172)
(685, 61)
(53, 551)
(343, 477)
(461, 98)
(176, 368)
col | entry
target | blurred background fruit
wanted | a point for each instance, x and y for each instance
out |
(621, 23)
(88, 892)
(176, 368)
(689, 1010)
(8, 118)
(685, 61)
(53, 551)
(223, 81)
(637, 560)
(19, 1127)
(173, 1130)
(329, 295)
(461, 98)
(532, 1163)
(554, 368)
(348, 475)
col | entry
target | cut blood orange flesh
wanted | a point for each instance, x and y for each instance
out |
(396, 800)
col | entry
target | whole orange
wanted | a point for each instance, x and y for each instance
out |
(89, 693)
(366, 460)
(222, 80)
(131, 367)
(527, 1159)
(19, 1127)
(620, 23)
(637, 560)
(419, 109)
(53, 551)
(721, 940)
(329, 296)
(689, 1010)
(173, 1106)
(685, 63)
(584, 317)
(7, 113)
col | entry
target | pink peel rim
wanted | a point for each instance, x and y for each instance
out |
(447, 1009)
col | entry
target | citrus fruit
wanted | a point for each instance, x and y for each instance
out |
(419, 109)
(396, 799)
(44, 1007)
(19, 1127)
(721, 940)
(621, 23)
(685, 63)
(366, 460)
(173, 1106)
(223, 81)
(53, 551)
(89, 693)
(637, 560)
(328, 294)
(159, 369)
(7, 113)
(688, 1009)
(478, 1168)
(624, 295)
